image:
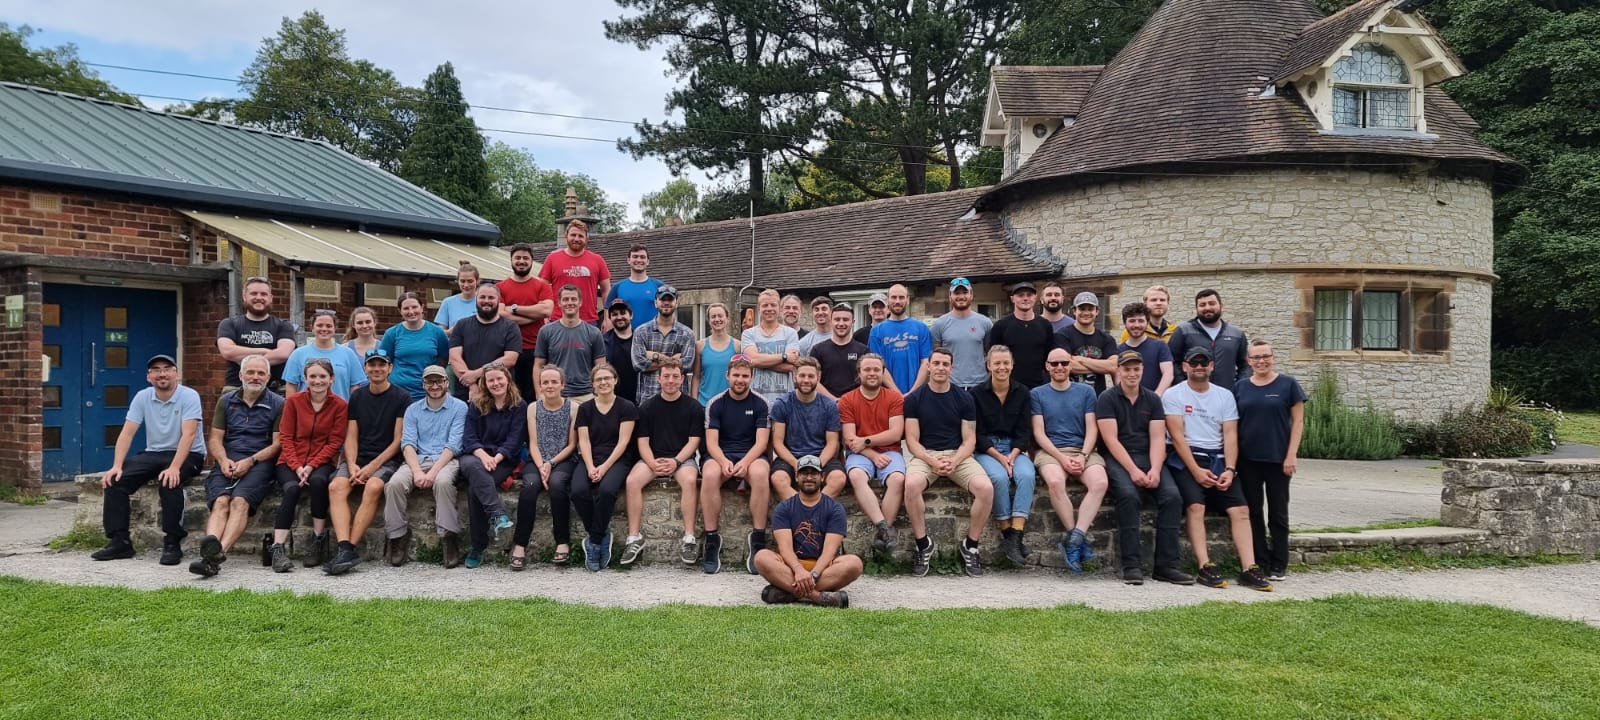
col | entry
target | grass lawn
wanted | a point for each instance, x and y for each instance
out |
(106, 652)
(1580, 427)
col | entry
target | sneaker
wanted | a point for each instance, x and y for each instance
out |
(604, 549)
(713, 557)
(970, 562)
(171, 553)
(1172, 575)
(1251, 578)
(211, 549)
(203, 567)
(400, 550)
(280, 558)
(1072, 553)
(689, 553)
(500, 528)
(316, 549)
(114, 550)
(631, 548)
(1210, 577)
(591, 554)
(1278, 575)
(920, 559)
(474, 559)
(774, 595)
(838, 599)
(880, 540)
(1133, 576)
(450, 546)
(751, 548)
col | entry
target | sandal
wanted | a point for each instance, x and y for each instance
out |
(518, 562)
(561, 557)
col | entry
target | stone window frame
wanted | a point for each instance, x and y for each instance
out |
(1424, 318)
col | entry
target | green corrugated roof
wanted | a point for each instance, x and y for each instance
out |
(65, 139)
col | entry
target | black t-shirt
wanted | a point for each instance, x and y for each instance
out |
(605, 427)
(375, 415)
(482, 343)
(1133, 421)
(736, 421)
(939, 415)
(1030, 342)
(1264, 419)
(1097, 345)
(670, 423)
(838, 364)
(264, 333)
(864, 335)
(619, 353)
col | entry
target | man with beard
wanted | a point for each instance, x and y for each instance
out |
(1227, 344)
(1156, 353)
(839, 353)
(256, 332)
(1155, 299)
(244, 440)
(965, 333)
(805, 422)
(772, 348)
(791, 315)
(872, 421)
(904, 342)
(1029, 336)
(1054, 302)
(529, 302)
(736, 451)
(659, 340)
(877, 312)
(430, 442)
(1094, 350)
(619, 347)
(821, 319)
(581, 267)
(638, 291)
(810, 528)
(571, 344)
(372, 448)
(481, 340)
(941, 434)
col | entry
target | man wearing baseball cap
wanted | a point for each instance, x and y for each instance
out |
(371, 452)
(619, 345)
(173, 451)
(1029, 336)
(877, 312)
(656, 341)
(965, 333)
(430, 441)
(810, 528)
(1132, 425)
(1094, 350)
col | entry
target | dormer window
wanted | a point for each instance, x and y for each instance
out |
(1373, 89)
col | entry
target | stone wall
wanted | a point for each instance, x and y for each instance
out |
(1527, 507)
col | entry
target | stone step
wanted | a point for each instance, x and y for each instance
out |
(1314, 548)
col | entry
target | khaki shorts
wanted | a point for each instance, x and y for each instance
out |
(1042, 458)
(964, 474)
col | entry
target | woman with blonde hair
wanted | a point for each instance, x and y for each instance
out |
(491, 444)
(711, 357)
(361, 335)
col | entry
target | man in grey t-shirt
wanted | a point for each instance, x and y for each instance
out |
(571, 344)
(962, 331)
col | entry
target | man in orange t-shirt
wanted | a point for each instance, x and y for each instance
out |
(872, 418)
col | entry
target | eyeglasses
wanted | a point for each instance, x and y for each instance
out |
(435, 381)
(1059, 363)
(1268, 356)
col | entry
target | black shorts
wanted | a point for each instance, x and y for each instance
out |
(1215, 500)
(253, 486)
(828, 468)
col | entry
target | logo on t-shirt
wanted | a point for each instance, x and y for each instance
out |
(749, 412)
(257, 338)
(901, 341)
(577, 271)
(1188, 409)
(850, 356)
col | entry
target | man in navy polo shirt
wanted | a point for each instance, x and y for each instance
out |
(244, 440)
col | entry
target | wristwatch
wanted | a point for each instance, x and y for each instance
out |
(816, 575)
(513, 307)
(1232, 470)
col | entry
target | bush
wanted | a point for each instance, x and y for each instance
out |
(1336, 431)
(1551, 373)
(1504, 426)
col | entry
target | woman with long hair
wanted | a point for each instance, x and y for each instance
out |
(552, 457)
(1005, 424)
(312, 430)
(711, 357)
(491, 443)
(605, 442)
(413, 345)
(361, 335)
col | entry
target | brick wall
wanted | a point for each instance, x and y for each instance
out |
(21, 395)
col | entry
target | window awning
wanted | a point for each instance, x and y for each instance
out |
(337, 248)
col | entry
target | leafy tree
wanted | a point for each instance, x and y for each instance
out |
(56, 68)
(679, 200)
(446, 153)
(983, 167)
(525, 200)
(876, 166)
(1074, 32)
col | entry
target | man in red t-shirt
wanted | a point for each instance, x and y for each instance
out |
(527, 301)
(577, 265)
(873, 420)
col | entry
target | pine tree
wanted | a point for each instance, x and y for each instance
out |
(446, 153)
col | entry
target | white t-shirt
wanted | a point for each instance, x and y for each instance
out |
(1203, 413)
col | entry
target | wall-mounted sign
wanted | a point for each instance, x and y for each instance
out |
(14, 307)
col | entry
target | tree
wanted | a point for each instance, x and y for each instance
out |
(1074, 32)
(446, 153)
(56, 68)
(679, 200)
(525, 200)
(878, 167)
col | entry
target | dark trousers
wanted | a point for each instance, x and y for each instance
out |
(1129, 500)
(317, 487)
(528, 502)
(1265, 484)
(596, 501)
(483, 496)
(522, 374)
(136, 471)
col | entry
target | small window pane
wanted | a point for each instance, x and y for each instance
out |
(1346, 108)
(116, 356)
(52, 438)
(1389, 109)
(1333, 315)
(1372, 63)
(52, 396)
(52, 314)
(116, 396)
(54, 353)
(116, 318)
(1380, 320)
(111, 433)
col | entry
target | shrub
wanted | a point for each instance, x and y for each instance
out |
(1503, 426)
(1549, 373)
(1336, 431)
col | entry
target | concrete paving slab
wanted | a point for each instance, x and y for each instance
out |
(1355, 493)
(29, 528)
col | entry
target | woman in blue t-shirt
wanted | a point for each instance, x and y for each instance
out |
(413, 345)
(1271, 419)
(712, 356)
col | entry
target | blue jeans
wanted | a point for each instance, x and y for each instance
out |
(1007, 504)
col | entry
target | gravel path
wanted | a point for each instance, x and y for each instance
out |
(1561, 591)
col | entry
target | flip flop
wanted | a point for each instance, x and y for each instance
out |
(561, 558)
(518, 562)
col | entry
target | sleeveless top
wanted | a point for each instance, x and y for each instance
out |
(552, 427)
(714, 370)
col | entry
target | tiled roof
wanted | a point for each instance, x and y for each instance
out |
(1319, 40)
(1188, 89)
(54, 137)
(1042, 90)
(906, 239)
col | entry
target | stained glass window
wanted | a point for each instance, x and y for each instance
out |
(1365, 95)
(1371, 64)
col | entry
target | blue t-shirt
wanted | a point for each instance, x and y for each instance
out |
(1063, 411)
(939, 416)
(806, 424)
(1264, 419)
(1154, 352)
(455, 308)
(640, 296)
(810, 525)
(412, 351)
(904, 344)
(163, 421)
(347, 368)
(736, 422)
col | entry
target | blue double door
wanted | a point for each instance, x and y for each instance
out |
(97, 340)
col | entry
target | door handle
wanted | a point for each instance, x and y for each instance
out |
(94, 363)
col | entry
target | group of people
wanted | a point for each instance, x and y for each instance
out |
(516, 380)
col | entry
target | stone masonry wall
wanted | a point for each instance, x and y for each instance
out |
(1527, 507)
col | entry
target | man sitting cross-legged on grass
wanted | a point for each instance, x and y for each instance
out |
(244, 440)
(941, 432)
(671, 426)
(810, 528)
(1203, 422)
(736, 446)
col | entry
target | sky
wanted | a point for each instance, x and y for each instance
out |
(543, 55)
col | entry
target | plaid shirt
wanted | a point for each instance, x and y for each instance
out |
(648, 338)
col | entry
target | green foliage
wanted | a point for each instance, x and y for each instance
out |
(1389, 557)
(1580, 427)
(1386, 525)
(679, 200)
(983, 167)
(57, 68)
(446, 152)
(1550, 373)
(525, 199)
(1336, 431)
(1503, 426)
(14, 494)
(728, 203)
(1074, 32)
(875, 173)
(82, 536)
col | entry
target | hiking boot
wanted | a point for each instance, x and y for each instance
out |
(171, 552)
(1011, 547)
(400, 550)
(605, 551)
(474, 559)
(450, 545)
(266, 550)
(751, 548)
(1210, 577)
(837, 599)
(203, 567)
(631, 548)
(713, 556)
(774, 595)
(316, 549)
(1172, 575)
(344, 559)
(970, 562)
(1133, 576)
(591, 554)
(1251, 578)
(114, 550)
(280, 558)
(500, 528)
(689, 553)
(211, 549)
(1072, 553)
(880, 540)
(920, 557)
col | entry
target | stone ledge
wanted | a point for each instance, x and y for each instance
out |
(1398, 537)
